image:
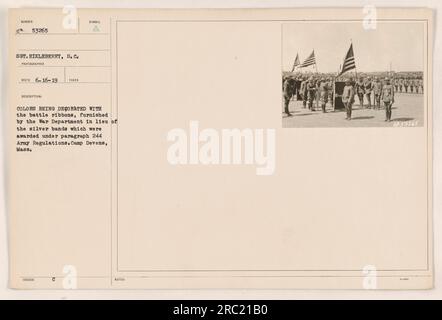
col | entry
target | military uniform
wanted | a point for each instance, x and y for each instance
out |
(401, 85)
(323, 93)
(367, 91)
(330, 92)
(348, 97)
(388, 99)
(311, 92)
(303, 93)
(377, 91)
(288, 93)
(317, 83)
(359, 88)
(406, 84)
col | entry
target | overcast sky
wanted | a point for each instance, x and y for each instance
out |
(401, 43)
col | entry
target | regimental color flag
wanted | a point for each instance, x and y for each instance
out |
(296, 63)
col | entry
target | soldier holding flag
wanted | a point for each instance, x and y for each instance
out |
(349, 89)
(308, 88)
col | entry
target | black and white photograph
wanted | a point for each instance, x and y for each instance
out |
(143, 156)
(353, 74)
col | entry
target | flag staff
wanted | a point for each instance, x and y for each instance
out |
(317, 91)
(316, 66)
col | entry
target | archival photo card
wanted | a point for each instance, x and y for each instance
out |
(341, 73)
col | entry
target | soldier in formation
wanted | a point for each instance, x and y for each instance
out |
(377, 91)
(388, 98)
(330, 92)
(359, 88)
(289, 91)
(408, 85)
(348, 97)
(303, 92)
(324, 90)
(311, 92)
(401, 84)
(367, 90)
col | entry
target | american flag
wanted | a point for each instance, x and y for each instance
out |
(296, 63)
(309, 61)
(349, 61)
